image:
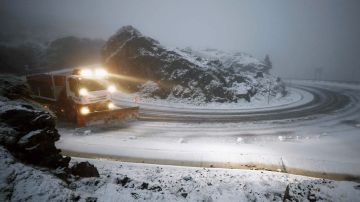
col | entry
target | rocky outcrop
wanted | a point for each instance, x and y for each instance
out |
(84, 169)
(208, 75)
(28, 131)
(13, 87)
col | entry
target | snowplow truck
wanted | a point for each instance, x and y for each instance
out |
(81, 96)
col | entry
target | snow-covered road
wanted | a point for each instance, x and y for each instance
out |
(315, 132)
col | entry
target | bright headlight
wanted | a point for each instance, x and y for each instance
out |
(100, 73)
(111, 105)
(86, 73)
(111, 89)
(84, 110)
(83, 91)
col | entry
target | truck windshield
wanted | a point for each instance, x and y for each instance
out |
(91, 85)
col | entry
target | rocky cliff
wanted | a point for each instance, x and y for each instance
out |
(208, 75)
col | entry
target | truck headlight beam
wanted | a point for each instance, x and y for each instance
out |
(111, 105)
(111, 89)
(83, 91)
(100, 73)
(84, 110)
(87, 73)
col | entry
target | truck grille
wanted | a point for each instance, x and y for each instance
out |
(99, 107)
(96, 99)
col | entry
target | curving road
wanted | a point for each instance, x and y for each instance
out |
(324, 101)
(317, 135)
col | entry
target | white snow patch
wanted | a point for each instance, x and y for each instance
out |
(181, 140)
(240, 88)
(87, 132)
(239, 139)
(148, 88)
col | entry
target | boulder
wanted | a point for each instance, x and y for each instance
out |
(84, 169)
(13, 87)
(30, 134)
(27, 130)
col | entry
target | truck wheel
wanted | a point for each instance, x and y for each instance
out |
(71, 112)
(70, 115)
(75, 117)
(80, 121)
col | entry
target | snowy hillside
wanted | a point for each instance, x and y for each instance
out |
(237, 61)
(206, 75)
(120, 181)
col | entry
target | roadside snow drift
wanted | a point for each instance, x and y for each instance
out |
(134, 182)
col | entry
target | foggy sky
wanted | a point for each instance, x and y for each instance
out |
(298, 35)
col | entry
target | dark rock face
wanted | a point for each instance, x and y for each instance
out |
(209, 75)
(13, 87)
(91, 199)
(84, 169)
(28, 132)
(31, 134)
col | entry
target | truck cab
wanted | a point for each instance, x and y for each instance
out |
(80, 95)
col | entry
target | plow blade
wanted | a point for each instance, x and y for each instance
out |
(103, 117)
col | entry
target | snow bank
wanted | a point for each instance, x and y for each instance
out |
(132, 182)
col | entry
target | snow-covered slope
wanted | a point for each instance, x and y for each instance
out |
(121, 181)
(207, 75)
(236, 61)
